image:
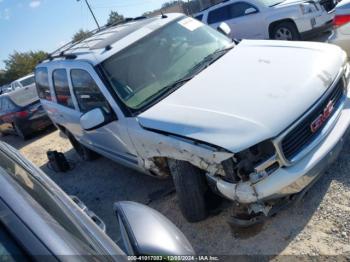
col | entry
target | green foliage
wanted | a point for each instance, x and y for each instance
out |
(114, 18)
(81, 35)
(20, 64)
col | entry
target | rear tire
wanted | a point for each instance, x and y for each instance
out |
(85, 153)
(285, 31)
(191, 188)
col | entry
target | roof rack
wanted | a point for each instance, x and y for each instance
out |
(61, 51)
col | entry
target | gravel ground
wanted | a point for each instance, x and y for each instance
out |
(319, 224)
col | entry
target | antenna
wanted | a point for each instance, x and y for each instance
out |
(92, 13)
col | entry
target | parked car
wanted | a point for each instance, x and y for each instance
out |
(341, 33)
(4, 89)
(171, 96)
(21, 113)
(39, 220)
(269, 19)
(25, 81)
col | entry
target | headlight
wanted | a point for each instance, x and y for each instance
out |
(307, 8)
(347, 73)
(252, 164)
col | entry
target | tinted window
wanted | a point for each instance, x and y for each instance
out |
(219, 15)
(9, 249)
(61, 87)
(87, 92)
(28, 81)
(238, 9)
(228, 12)
(42, 83)
(199, 17)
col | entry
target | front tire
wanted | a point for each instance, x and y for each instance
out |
(85, 153)
(285, 31)
(191, 188)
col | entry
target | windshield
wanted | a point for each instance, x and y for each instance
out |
(140, 73)
(270, 3)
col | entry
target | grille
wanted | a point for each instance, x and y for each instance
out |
(301, 135)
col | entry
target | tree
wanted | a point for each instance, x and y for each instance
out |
(114, 18)
(20, 64)
(81, 35)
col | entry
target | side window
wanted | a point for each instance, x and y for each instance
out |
(28, 81)
(17, 85)
(61, 87)
(199, 17)
(219, 15)
(42, 83)
(239, 9)
(87, 92)
(9, 249)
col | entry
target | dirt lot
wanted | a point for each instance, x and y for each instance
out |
(319, 224)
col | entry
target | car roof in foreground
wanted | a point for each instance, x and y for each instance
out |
(27, 178)
(110, 40)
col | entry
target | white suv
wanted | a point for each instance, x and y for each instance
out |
(255, 122)
(269, 19)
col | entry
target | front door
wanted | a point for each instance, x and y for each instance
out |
(111, 140)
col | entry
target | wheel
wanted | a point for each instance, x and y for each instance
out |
(191, 187)
(285, 31)
(20, 132)
(85, 153)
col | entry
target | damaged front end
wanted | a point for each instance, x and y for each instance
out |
(231, 175)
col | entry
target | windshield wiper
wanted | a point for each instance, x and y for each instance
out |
(277, 3)
(209, 59)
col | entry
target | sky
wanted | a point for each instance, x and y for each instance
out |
(47, 24)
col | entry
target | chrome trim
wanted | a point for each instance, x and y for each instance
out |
(262, 166)
(325, 130)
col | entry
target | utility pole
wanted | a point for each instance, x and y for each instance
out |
(92, 13)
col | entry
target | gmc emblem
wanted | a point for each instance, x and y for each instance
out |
(319, 121)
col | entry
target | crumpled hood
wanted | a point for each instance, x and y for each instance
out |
(252, 93)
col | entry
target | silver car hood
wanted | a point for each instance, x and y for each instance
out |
(250, 94)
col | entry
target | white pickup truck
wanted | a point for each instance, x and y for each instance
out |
(270, 19)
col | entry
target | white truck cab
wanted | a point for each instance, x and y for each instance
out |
(255, 122)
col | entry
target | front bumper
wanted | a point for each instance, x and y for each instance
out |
(293, 179)
(34, 124)
(317, 30)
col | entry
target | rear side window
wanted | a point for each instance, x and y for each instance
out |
(238, 9)
(199, 17)
(228, 12)
(87, 92)
(61, 87)
(28, 81)
(42, 83)
(219, 15)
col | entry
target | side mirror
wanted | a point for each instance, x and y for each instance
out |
(93, 119)
(250, 10)
(145, 231)
(224, 29)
